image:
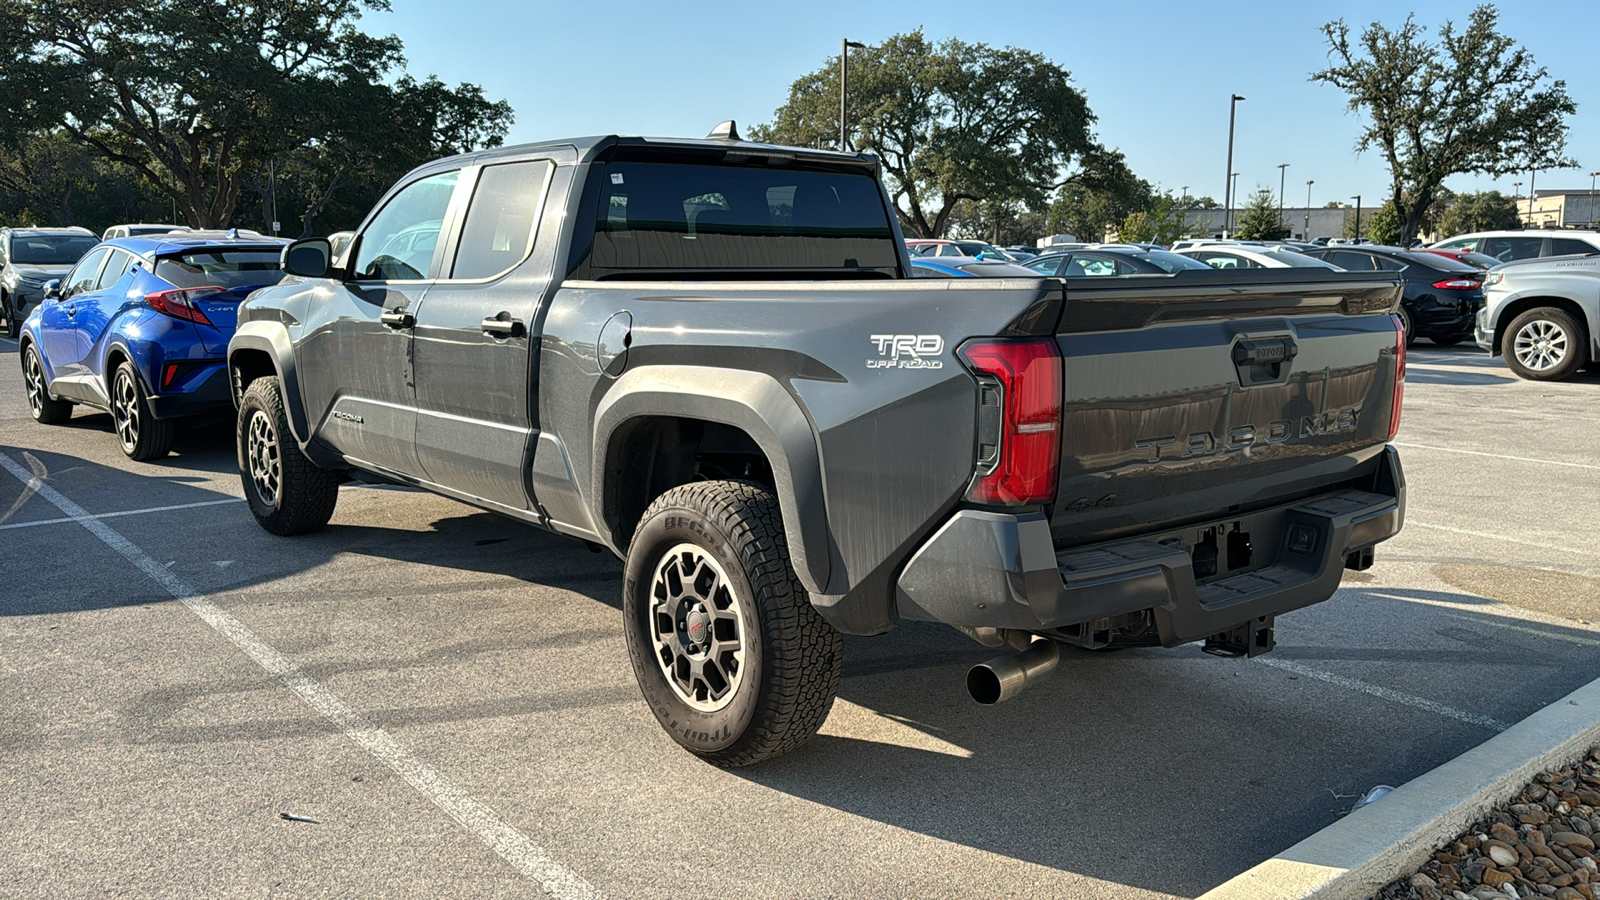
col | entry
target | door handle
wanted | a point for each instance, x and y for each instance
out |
(502, 326)
(397, 318)
(72, 311)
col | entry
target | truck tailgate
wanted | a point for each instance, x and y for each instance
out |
(1197, 399)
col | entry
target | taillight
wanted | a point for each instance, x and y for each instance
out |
(179, 303)
(1399, 375)
(1457, 284)
(1027, 372)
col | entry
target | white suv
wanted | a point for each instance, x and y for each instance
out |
(1543, 315)
(1509, 245)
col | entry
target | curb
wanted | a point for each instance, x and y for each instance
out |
(1356, 856)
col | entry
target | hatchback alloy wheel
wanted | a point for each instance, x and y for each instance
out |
(125, 411)
(35, 379)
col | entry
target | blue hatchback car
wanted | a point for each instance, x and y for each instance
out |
(140, 328)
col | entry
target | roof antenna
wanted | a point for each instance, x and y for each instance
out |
(727, 131)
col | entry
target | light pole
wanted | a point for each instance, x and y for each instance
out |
(1283, 169)
(1591, 196)
(1309, 183)
(1518, 191)
(1357, 198)
(844, 80)
(1227, 186)
(1533, 176)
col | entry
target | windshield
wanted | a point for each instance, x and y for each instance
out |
(50, 249)
(973, 248)
(1435, 261)
(740, 221)
(1168, 262)
(226, 269)
(136, 230)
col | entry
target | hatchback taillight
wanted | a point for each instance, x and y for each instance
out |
(1021, 465)
(179, 303)
(1458, 284)
(1399, 375)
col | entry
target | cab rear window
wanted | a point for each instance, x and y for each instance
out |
(731, 221)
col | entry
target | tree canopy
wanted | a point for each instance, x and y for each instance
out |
(1474, 102)
(951, 122)
(1481, 211)
(1259, 220)
(202, 100)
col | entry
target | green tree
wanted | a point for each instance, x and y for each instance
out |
(1382, 225)
(1259, 220)
(1481, 211)
(197, 97)
(1162, 223)
(1099, 197)
(950, 122)
(1474, 102)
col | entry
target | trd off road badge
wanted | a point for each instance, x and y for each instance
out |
(907, 351)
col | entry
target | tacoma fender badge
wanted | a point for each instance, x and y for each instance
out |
(348, 417)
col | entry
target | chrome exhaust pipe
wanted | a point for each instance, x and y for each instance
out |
(1004, 677)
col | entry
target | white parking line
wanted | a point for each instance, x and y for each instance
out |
(512, 845)
(1548, 462)
(126, 512)
(1500, 537)
(1384, 693)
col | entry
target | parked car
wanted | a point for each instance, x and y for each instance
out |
(1225, 256)
(1470, 257)
(30, 258)
(1022, 254)
(941, 247)
(140, 328)
(1543, 315)
(1102, 261)
(1442, 296)
(1506, 246)
(142, 230)
(786, 438)
(966, 267)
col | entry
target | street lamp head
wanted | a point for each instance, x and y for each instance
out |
(855, 45)
(1237, 97)
(1310, 181)
(1283, 165)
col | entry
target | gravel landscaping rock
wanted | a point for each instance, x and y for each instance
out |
(1541, 844)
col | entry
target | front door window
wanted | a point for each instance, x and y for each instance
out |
(398, 245)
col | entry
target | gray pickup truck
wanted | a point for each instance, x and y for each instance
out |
(708, 357)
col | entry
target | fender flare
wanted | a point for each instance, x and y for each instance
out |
(757, 404)
(273, 340)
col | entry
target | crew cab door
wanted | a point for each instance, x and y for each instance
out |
(64, 346)
(356, 353)
(475, 420)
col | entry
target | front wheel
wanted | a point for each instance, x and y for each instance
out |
(1545, 344)
(13, 318)
(287, 493)
(141, 435)
(729, 653)
(46, 410)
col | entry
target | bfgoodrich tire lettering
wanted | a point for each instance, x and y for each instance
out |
(287, 493)
(789, 658)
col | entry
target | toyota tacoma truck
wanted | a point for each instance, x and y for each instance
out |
(709, 357)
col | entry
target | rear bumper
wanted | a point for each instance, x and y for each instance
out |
(1446, 318)
(997, 570)
(209, 395)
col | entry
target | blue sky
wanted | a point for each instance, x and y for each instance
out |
(1158, 75)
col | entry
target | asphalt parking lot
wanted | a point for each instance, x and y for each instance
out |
(446, 695)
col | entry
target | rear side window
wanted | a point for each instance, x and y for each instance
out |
(226, 269)
(739, 221)
(500, 222)
(116, 267)
(1506, 249)
(1352, 262)
(1227, 261)
(1568, 246)
(1086, 266)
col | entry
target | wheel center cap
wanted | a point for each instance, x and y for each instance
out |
(697, 626)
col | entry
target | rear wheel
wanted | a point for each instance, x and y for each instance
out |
(729, 653)
(142, 436)
(45, 409)
(1405, 323)
(287, 493)
(1545, 344)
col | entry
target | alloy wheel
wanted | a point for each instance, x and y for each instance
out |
(125, 410)
(35, 379)
(697, 627)
(266, 471)
(1540, 345)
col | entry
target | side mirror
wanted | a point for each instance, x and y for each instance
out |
(52, 289)
(311, 258)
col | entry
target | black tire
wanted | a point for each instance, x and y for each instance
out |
(1545, 344)
(141, 435)
(13, 321)
(1405, 323)
(287, 493)
(750, 608)
(46, 410)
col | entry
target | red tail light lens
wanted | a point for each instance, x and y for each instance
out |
(1029, 456)
(1457, 284)
(1399, 375)
(179, 303)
